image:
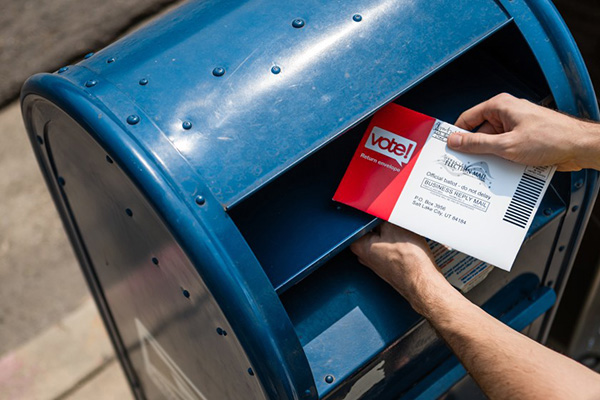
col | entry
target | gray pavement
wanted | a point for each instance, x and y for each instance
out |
(42, 35)
(40, 281)
(73, 359)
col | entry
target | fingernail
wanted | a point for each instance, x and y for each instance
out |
(455, 140)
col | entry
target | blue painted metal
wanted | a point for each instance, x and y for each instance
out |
(194, 178)
(344, 316)
(243, 294)
(558, 55)
(298, 23)
(552, 208)
(261, 124)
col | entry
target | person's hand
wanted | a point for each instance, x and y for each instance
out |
(403, 260)
(523, 132)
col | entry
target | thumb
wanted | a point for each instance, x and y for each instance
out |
(478, 143)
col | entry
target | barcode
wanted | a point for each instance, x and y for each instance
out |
(524, 200)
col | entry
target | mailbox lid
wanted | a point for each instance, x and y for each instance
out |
(250, 124)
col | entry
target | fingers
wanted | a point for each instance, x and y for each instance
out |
(360, 247)
(474, 116)
(478, 143)
(491, 111)
(386, 229)
(487, 128)
(394, 234)
(377, 230)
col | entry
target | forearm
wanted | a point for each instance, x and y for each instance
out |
(505, 363)
(589, 145)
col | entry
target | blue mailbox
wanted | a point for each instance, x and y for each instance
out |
(193, 163)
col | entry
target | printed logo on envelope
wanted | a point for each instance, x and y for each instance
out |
(479, 170)
(390, 144)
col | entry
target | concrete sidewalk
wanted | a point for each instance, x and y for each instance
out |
(73, 359)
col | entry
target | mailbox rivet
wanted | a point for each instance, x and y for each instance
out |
(579, 184)
(329, 378)
(110, 60)
(575, 208)
(39, 139)
(186, 125)
(357, 17)
(88, 55)
(154, 260)
(275, 69)
(109, 160)
(548, 212)
(91, 82)
(200, 200)
(561, 248)
(61, 181)
(219, 71)
(185, 293)
(143, 81)
(307, 393)
(133, 119)
(129, 212)
(63, 69)
(298, 23)
(250, 372)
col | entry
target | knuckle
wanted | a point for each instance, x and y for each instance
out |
(357, 247)
(472, 141)
(506, 146)
(462, 121)
(504, 97)
(503, 101)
